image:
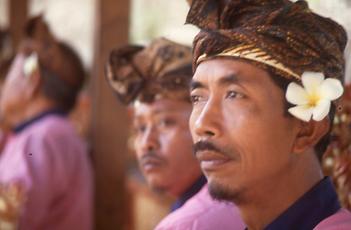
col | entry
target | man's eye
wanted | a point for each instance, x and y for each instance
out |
(195, 99)
(140, 128)
(234, 94)
(166, 122)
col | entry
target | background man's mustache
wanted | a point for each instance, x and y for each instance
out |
(206, 145)
(151, 155)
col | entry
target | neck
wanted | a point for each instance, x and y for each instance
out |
(269, 200)
(37, 106)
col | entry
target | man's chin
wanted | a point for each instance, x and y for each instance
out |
(223, 192)
(157, 186)
(159, 189)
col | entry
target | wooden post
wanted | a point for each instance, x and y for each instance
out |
(109, 131)
(18, 15)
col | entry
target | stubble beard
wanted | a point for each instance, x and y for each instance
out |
(226, 193)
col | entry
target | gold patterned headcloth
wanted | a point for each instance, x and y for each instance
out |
(250, 52)
(286, 37)
(159, 70)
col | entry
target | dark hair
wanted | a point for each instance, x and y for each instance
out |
(323, 143)
(4, 68)
(58, 89)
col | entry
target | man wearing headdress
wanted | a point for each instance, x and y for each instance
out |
(45, 172)
(267, 76)
(154, 81)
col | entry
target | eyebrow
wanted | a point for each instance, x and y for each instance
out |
(157, 112)
(224, 81)
(228, 80)
(196, 85)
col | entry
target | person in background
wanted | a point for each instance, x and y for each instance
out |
(44, 156)
(153, 81)
(267, 78)
(4, 68)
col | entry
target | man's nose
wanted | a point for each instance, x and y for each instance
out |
(207, 121)
(149, 141)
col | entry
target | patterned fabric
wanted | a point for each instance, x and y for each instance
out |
(12, 199)
(276, 33)
(162, 69)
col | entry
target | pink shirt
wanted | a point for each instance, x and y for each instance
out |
(201, 212)
(52, 164)
(339, 221)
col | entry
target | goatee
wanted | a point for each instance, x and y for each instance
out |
(225, 193)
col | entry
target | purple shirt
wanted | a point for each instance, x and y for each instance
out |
(190, 192)
(51, 162)
(339, 221)
(201, 212)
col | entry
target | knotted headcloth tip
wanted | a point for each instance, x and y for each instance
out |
(159, 70)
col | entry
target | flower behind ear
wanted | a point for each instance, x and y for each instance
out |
(30, 64)
(313, 100)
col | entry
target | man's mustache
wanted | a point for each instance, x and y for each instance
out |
(207, 146)
(150, 155)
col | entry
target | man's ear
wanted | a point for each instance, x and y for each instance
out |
(310, 134)
(33, 82)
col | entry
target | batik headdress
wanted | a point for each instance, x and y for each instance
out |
(285, 37)
(160, 70)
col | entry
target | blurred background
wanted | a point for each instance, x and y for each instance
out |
(93, 28)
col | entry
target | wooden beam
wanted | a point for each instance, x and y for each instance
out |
(109, 131)
(17, 18)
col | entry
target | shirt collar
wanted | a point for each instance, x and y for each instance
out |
(313, 207)
(195, 188)
(19, 128)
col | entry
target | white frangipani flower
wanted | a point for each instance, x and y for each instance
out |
(314, 98)
(30, 64)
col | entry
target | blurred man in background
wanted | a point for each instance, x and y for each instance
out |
(154, 80)
(44, 156)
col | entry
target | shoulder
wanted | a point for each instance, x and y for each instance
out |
(202, 212)
(51, 125)
(51, 131)
(50, 139)
(339, 221)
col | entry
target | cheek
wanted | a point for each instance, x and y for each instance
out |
(137, 148)
(192, 121)
(260, 139)
(177, 145)
(9, 95)
(239, 122)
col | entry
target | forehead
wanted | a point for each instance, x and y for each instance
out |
(222, 71)
(160, 106)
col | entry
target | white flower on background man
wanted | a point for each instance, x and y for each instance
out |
(313, 98)
(30, 64)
